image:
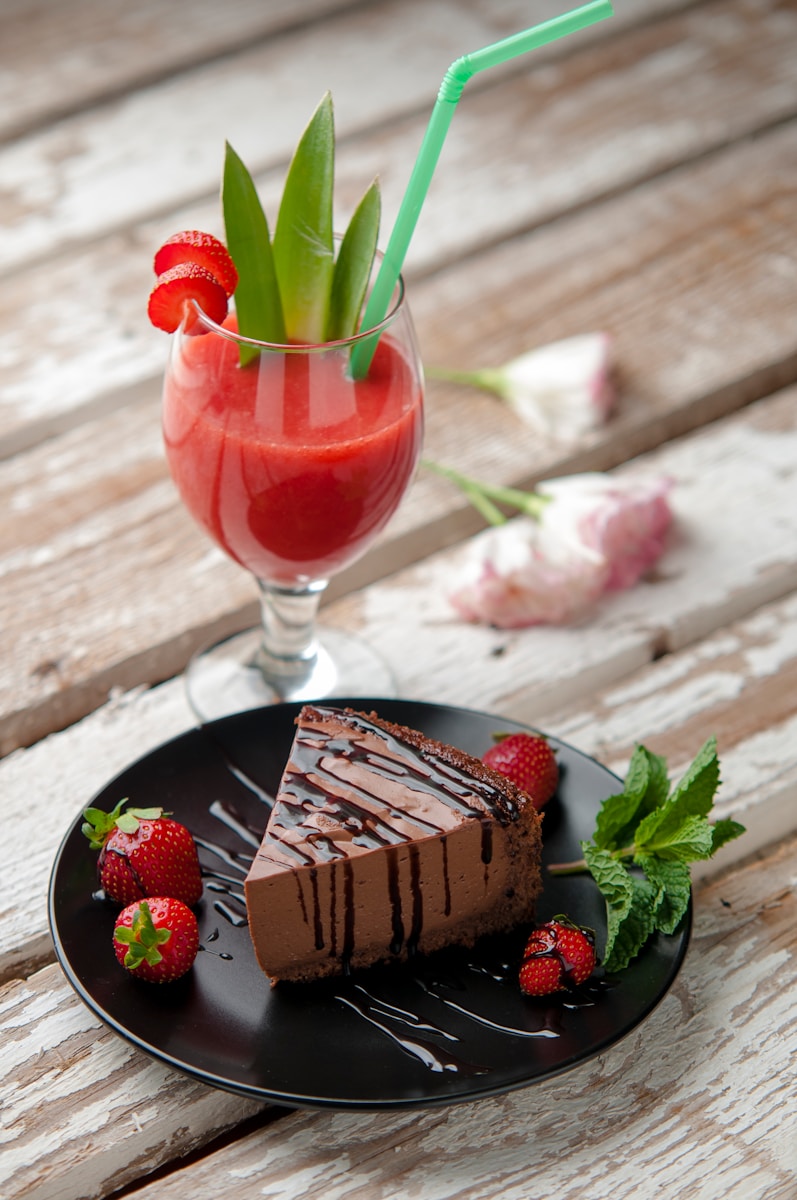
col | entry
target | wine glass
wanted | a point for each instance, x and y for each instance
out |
(293, 467)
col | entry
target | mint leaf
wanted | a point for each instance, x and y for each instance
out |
(628, 932)
(353, 267)
(687, 839)
(694, 794)
(303, 243)
(692, 797)
(257, 297)
(661, 832)
(724, 831)
(611, 877)
(615, 815)
(673, 881)
(646, 787)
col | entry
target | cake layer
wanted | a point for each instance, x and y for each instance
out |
(383, 843)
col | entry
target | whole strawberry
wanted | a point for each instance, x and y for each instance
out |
(143, 853)
(558, 955)
(156, 939)
(528, 760)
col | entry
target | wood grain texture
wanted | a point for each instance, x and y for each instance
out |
(57, 1065)
(73, 333)
(702, 321)
(702, 1091)
(731, 551)
(735, 511)
(639, 178)
(88, 51)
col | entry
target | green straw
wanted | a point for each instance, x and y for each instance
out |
(448, 96)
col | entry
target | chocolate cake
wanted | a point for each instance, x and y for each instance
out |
(383, 843)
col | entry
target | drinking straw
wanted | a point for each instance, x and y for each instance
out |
(451, 89)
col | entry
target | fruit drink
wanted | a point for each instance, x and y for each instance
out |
(290, 465)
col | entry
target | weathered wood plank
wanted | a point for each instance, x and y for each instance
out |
(56, 1061)
(732, 550)
(712, 1065)
(548, 140)
(726, 561)
(59, 58)
(95, 172)
(703, 1091)
(120, 533)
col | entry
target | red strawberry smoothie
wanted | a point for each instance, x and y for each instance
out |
(290, 465)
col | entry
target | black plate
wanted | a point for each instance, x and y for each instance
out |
(450, 1027)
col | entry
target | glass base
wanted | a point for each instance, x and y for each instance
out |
(227, 678)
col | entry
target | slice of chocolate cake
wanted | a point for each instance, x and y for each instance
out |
(383, 843)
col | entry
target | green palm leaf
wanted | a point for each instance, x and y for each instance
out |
(303, 243)
(257, 296)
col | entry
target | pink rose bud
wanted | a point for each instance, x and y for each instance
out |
(596, 533)
(563, 389)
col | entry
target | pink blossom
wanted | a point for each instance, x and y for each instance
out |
(563, 388)
(596, 533)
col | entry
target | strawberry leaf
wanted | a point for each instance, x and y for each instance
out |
(257, 297)
(98, 824)
(303, 243)
(353, 267)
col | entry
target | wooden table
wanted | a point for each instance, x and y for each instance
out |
(639, 178)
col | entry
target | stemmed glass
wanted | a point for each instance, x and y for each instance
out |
(293, 468)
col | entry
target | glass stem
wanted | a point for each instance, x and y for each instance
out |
(289, 648)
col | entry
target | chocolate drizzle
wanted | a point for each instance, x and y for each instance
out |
(355, 784)
(330, 811)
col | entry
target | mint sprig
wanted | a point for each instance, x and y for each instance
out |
(291, 286)
(644, 840)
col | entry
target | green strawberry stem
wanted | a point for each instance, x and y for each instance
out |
(142, 939)
(481, 495)
(98, 824)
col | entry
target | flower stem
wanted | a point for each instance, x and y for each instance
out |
(579, 865)
(489, 380)
(481, 495)
(576, 867)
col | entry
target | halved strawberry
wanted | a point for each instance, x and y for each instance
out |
(169, 301)
(558, 955)
(202, 249)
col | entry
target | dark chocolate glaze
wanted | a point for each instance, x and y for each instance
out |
(311, 783)
(322, 813)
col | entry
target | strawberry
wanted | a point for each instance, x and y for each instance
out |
(156, 939)
(558, 955)
(169, 300)
(528, 760)
(201, 249)
(143, 853)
